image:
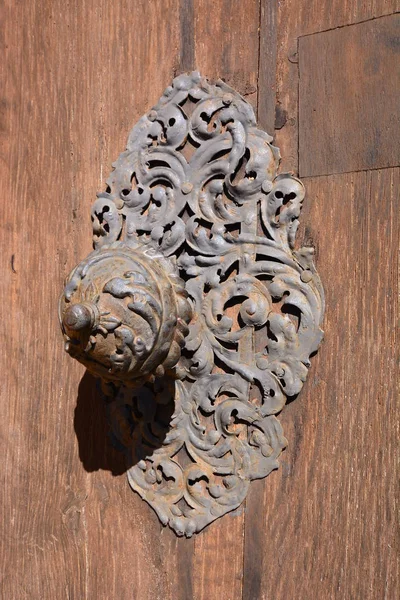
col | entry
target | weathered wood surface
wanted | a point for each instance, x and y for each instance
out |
(298, 18)
(349, 81)
(325, 525)
(75, 77)
(325, 530)
(218, 551)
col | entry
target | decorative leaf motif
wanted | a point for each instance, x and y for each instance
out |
(198, 180)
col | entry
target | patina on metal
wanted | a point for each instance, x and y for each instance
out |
(195, 308)
(124, 313)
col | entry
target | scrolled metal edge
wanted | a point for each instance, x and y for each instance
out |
(158, 197)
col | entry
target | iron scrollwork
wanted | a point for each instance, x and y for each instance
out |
(195, 308)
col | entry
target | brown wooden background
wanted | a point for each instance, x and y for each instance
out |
(76, 74)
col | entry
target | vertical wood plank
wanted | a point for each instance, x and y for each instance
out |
(75, 78)
(187, 53)
(301, 541)
(326, 523)
(227, 47)
(227, 43)
(267, 65)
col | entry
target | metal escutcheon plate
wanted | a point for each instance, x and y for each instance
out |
(195, 308)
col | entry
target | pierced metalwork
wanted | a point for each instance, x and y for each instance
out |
(195, 237)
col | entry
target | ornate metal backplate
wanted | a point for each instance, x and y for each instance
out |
(197, 191)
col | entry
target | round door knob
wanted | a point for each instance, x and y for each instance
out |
(124, 314)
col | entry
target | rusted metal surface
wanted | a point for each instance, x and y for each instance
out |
(124, 314)
(196, 198)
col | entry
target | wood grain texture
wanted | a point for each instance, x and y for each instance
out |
(227, 43)
(267, 65)
(187, 50)
(348, 98)
(325, 525)
(290, 555)
(298, 18)
(331, 532)
(75, 77)
(218, 557)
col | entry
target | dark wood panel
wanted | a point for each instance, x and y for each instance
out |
(324, 526)
(348, 98)
(267, 65)
(301, 18)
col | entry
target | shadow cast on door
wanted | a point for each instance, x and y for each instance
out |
(115, 444)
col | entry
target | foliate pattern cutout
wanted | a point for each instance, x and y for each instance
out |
(199, 181)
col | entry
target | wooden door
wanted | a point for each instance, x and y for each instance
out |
(76, 75)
